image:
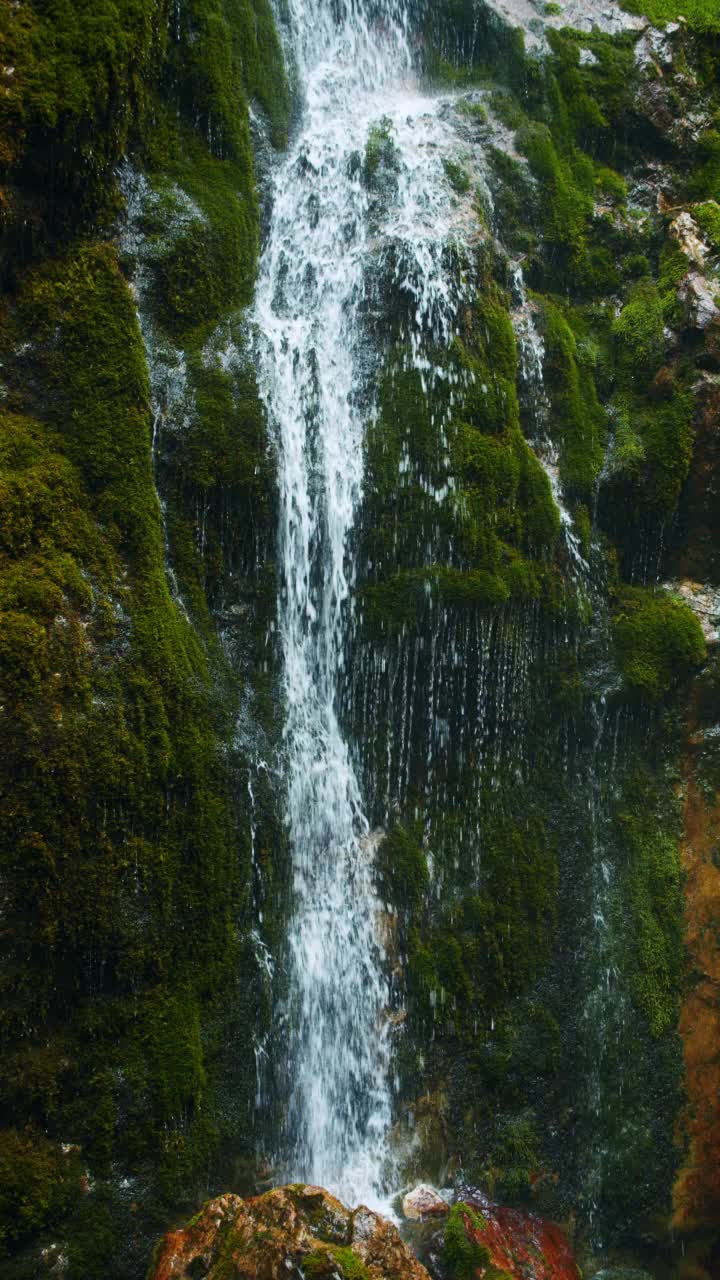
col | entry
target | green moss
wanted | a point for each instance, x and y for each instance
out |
(473, 110)
(463, 1254)
(457, 176)
(117, 715)
(704, 181)
(498, 514)
(485, 946)
(506, 107)
(516, 200)
(379, 150)
(202, 259)
(638, 333)
(80, 78)
(707, 217)
(516, 1153)
(611, 184)
(590, 102)
(658, 640)
(636, 265)
(36, 1185)
(653, 441)
(648, 823)
(227, 51)
(566, 201)
(80, 313)
(577, 424)
(701, 15)
(402, 868)
(107, 712)
(333, 1261)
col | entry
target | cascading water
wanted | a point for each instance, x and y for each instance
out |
(355, 71)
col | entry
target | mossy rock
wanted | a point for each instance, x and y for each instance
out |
(464, 1257)
(700, 15)
(658, 638)
(334, 1261)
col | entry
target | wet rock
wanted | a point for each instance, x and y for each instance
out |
(378, 1243)
(657, 103)
(656, 47)
(686, 231)
(621, 1273)
(583, 15)
(696, 539)
(696, 1194)
(704, 602)
(517, 1243)
(420, 1142)
(424, 1202)
(670, 96)
(288, 1231)
(698, 296)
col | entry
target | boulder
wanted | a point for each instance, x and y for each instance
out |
(509, 1244)
(698, 296)
(424, 1202)
(290, 1231)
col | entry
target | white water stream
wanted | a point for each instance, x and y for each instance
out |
(355, 71)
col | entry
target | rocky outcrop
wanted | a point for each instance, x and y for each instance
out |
(475, 1237)
(518, 1244)
(304, 1230)
(289, 1231)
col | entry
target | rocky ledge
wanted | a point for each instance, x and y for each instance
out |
(304, 1231)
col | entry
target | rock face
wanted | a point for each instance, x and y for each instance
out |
(698, 296)
(291, 1230)
(696, 1193)
(303, 1230)
(507, 1244)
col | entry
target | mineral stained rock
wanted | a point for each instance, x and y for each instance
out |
(289, 1231)
(304, 1231)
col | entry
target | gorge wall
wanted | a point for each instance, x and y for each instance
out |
(525, 672)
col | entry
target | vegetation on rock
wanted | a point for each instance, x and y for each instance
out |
(130, 990)
(659, 640)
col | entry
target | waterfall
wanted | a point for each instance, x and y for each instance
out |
(315, 366)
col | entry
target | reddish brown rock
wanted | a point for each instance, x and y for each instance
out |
(695, 551)
(280, 1234)
(516, 1243)
(696, 1196)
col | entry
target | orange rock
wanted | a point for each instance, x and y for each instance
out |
(522, 1245)
(696, 1195)
(274, 1236)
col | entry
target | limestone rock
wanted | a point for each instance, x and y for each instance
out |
(288, 1231)
(705, 603)
(686, 231)
(699, 298)
(656, 47)
(424, 1202)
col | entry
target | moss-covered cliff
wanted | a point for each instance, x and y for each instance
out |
(534, 867)
(131, 994)
(531, 698)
